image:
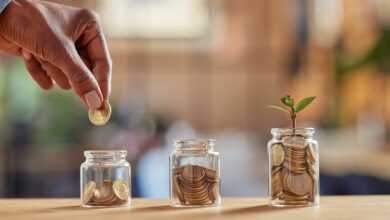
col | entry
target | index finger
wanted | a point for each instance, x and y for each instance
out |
(101, 62)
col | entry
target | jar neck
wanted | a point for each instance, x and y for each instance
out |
(194, 145)
(278, 133)
(106, 160)
(105, 156)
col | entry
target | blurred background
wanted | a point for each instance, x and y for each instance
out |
(207, 69)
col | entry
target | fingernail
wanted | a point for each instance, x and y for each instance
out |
(26, 55)
(93, 100)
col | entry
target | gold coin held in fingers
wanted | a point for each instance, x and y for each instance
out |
(89, 191)
(121, 189)
(101, 115)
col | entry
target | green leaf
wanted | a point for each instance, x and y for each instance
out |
(288, 100)
(279, 108)
(303, 103)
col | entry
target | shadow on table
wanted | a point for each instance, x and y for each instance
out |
(153, 208)
(210, 211)
(254, 209)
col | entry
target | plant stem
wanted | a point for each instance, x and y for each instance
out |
(293, 119)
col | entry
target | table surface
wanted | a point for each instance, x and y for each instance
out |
(331, 207)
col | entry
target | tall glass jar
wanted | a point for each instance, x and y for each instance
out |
(105, 179)
(293, 167)
(194, 174)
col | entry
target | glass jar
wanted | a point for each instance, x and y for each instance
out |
(293, 167)
(105, 179)
(194, 174)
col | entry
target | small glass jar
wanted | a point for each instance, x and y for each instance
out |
(105, 179)
(293, 167)
(195, 174)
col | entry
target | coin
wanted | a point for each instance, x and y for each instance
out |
(177, 170)
(103, 193)
(89, 190)
(277, 154)
(276, 186)
(292, 197)
(121, 189)
(213, 191)
(101, 115)
(195, 185)
(177, 190)
(311, 158)
(299, 184)
(193, 173)
(108, 193)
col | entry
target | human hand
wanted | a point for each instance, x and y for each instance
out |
(59, 44)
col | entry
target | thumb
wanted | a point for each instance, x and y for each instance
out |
(80, 78)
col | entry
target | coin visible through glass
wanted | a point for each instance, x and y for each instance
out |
(101, 115)
(108, 193)
(196, 185)
(88, 192)
(121, 189)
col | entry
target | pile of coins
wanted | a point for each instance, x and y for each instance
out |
(101, 115)
(108, 193)
(195, 185)
(294, 173)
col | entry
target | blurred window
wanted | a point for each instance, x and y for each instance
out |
(155, 18)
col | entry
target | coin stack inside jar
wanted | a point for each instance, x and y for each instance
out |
(294, 173)
(196, 185)
(109, 193)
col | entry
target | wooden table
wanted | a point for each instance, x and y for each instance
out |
(337, 207)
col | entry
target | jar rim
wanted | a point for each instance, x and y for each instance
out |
(105, 153)
(194, 142)
(307, 131)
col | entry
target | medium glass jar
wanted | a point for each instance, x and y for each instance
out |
(194, 174)
(293, 167)
(105, 179)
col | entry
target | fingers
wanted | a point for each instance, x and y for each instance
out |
(80, 77)
(101, 63)
(96, 47)
(55, 73)
(36, 72)
(84, 56)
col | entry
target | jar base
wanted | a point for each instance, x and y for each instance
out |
(106, 206)
(179, 205)
(294, 204)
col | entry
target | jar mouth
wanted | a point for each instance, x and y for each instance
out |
(194, 143)
(105, 153)
(290, 131)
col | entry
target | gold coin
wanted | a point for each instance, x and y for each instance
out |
(121, 189)
(88, 192)
(299, 184)
(291, 197)
(177, 171)
(103, 193)
(214, 191)
(275, 170)
(101, 115)
(193, 173)
(177, 190)
(277, 154)
(211, 174)
(311, 158)
(196, 185)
